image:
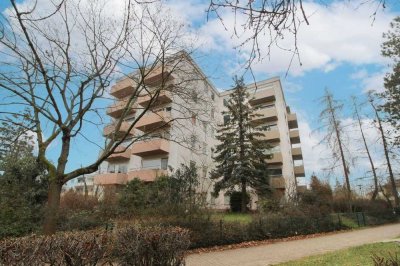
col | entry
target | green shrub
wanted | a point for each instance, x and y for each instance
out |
(391, 259)
(235, 201)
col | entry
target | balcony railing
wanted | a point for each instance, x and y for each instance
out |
(297, 153)
(277, 182)
(265, 115)
(110, 129)
(115, 110)
(292, 121)
(110, 179)
(120, 154)
(271, 135)
(294, 136)
(263, 96)
(147, 175)
(163, 97)
(151, 147)
(123, 88)
(276, 158)
(151, 121)
(299, 171)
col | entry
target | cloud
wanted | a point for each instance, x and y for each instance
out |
(338, 33)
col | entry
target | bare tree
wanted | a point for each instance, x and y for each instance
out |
(360, 124)
(58, 62)
(385, 148)
(331, 123)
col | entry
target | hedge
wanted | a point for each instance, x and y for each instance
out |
(130, 245)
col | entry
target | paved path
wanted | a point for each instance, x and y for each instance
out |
(285, 251)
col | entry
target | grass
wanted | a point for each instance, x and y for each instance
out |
(353, 256)
(233, 217)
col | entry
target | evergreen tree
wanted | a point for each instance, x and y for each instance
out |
(241, 155)
(391, 50)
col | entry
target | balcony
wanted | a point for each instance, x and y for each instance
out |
(163, 97)
(115, 110)
(292, 121)
(123, 88)
(263, 96)
(271, 135)
(151, 121)
(299, 171)
(147, 175)
(110, 179)
(276, 158)
(294, 136)
(120, 154)
(265, 115)
(151, 147)
(297, 154)
(110, 129)
(158, 75)
(277, 182)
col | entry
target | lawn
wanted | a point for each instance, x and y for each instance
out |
(233, 217)
(353, 256)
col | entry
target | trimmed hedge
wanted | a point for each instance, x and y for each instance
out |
(130, 245)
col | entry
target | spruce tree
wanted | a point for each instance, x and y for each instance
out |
(241, 154)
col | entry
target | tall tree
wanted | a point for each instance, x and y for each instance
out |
(241, 155)
(371, 162)
(378, 120)
(58, 62)
(331, 123)
(391, 95)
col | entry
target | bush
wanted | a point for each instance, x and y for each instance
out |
(130, 245)
(77, 248)
(156, 246)
(235, 201)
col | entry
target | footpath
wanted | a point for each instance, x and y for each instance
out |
(269, 254)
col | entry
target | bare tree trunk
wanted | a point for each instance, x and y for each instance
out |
(338, 137)
(376, 188)
(386, 150)
(52, 211)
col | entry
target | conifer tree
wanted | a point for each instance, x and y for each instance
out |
(241, 155)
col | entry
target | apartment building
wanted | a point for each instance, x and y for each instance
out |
(186, 126)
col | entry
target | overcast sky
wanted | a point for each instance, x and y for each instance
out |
(340, 50)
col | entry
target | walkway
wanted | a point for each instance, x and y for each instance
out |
(285, 251)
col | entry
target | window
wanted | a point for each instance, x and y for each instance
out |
(204, 148)
(212, 113)
(164, 163)
(212, 199)
(275, 172)
(168, 109)
(151, 163)
(193, 141)
(205, 126)
(204, 169)
(212, 96)
(226, 199)
(194, 119)
(227, 118)
(225, 102)
(194, 96)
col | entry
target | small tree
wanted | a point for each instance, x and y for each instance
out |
(241, 155)
(331, 123)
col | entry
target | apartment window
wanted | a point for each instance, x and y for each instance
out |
(226, 199)
(151, 163)
(212, 199)
(212, 113)
(193, 141)
(204, 148)
(164, 163)
(111, 168)
(227, 118)
(194, 117)
(204, 170)
(194, 96)
(225, 102)
(205, 126)
(212, 96)
(275, 172)
(168, 109)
